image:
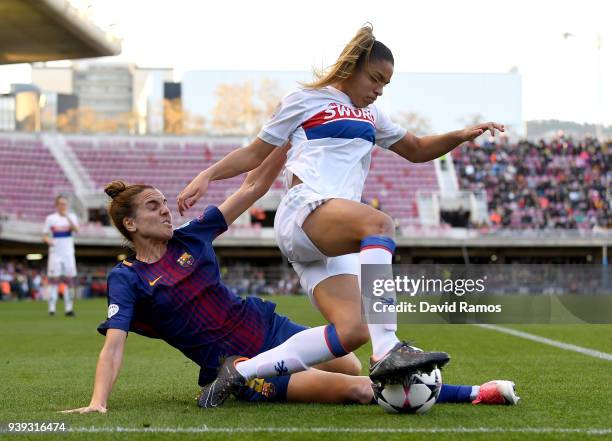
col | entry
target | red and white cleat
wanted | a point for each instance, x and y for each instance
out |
(497, 392)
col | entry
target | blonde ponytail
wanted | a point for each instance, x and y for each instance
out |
(357, 50)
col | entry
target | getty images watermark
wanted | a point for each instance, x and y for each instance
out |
(487, 293)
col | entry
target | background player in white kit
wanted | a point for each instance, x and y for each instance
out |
(320, 225)
(61, 265)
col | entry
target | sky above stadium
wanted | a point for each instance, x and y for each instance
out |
(563, 78)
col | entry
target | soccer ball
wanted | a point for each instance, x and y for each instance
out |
(416, 394)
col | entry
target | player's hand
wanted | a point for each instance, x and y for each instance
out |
(471, 133)
(192, 193)
(89, 409)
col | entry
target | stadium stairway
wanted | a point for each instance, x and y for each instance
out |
(451, 197)
(396, 185)
(84, 193)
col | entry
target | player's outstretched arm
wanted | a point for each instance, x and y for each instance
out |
(107, 370)
(237, 162)
(255, 185)
(428, 148)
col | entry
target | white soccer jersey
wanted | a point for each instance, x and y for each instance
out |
(58, 228)
(332, 140)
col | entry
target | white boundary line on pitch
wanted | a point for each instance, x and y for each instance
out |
(548, 341)
(206, 429)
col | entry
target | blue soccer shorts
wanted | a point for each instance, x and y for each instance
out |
(272, 389)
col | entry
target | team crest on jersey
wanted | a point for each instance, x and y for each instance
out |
(112, 310)
(186, 260)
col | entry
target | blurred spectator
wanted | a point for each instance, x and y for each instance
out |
(258, 215)
(19, 282)
(375, 203)
(5, 285)
(245, 279)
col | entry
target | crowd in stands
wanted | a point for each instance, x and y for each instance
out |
(19, 281)
(563, 183)
(245, 279)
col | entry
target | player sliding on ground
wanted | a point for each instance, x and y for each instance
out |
(320, 225)
(172, 290)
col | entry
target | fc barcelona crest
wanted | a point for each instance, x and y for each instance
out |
(186, 260)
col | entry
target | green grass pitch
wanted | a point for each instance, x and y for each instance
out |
(47, 364)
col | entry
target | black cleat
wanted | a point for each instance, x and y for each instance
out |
(51, 313)
(228, 380)
(70, 314)
(377, 390)
(404, 359)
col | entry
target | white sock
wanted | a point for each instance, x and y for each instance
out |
(52, 296)
(298, 353)
(69, 295)
(474, 393)
(379, 250)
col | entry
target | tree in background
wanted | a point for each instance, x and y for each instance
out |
(80, 120)
(174, 117)
(241, 109)
(471, 120)
(269, 94)
(414, 123)
(178, 121)
(85, 120)
(194, 125)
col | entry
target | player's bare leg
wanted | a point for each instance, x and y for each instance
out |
(316, 386)
(339, 300)
(349, 365)
(338, 226)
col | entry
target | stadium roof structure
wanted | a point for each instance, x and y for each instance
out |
(45, 30)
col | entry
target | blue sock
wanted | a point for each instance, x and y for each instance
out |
(333, 341)
(384, 242)
(454, 394)
(450, 393)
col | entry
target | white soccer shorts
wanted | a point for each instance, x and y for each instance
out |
(61, 266)
(310, 264)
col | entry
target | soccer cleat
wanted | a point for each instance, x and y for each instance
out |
(70, 314)
(377, 389)
(51, 313)
(497, 392)
(404, 359)
(228, 380)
